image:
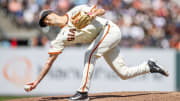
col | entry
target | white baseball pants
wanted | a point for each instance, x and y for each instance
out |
(106, 45)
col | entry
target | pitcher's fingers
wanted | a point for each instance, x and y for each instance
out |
(29, 83)
(31, 88)
(70, 34)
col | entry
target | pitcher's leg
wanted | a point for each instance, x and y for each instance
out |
(90, 60)
(94, 50)
(116, 62)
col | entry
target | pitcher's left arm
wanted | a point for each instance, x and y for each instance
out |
(83, 18)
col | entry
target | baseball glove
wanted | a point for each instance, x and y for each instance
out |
(81, 20)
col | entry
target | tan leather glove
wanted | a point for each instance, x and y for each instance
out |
(81, 20)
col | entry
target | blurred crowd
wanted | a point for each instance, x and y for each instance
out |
(143, 23)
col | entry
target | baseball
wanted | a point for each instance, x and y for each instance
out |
(27, 88)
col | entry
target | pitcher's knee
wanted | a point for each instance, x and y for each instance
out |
(124, 77)
(124, 74)
(92, 54)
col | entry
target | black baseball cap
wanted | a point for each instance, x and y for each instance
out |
(43, 14)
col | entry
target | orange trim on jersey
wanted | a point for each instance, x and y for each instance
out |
(92, 54)
(93, 8)
(66, 21)
(54, 52)
(73, 17)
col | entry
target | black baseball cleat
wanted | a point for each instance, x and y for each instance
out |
(156, 68)
(79, 96)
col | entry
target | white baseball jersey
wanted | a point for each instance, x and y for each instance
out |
(84, 35)
(104, 36)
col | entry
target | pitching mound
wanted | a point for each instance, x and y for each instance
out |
(116, 96)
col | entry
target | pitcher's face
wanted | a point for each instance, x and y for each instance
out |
(51, 19)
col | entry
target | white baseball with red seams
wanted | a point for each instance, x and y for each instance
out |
(104, 37)
(27, 88)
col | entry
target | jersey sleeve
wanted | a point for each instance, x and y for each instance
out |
(57, 45)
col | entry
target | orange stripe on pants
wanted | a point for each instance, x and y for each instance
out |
(92, 54)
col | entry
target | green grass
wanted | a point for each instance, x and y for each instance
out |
(4, 98)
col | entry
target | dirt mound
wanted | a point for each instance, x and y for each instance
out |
(116, 96)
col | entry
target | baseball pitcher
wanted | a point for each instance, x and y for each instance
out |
(84, 24)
